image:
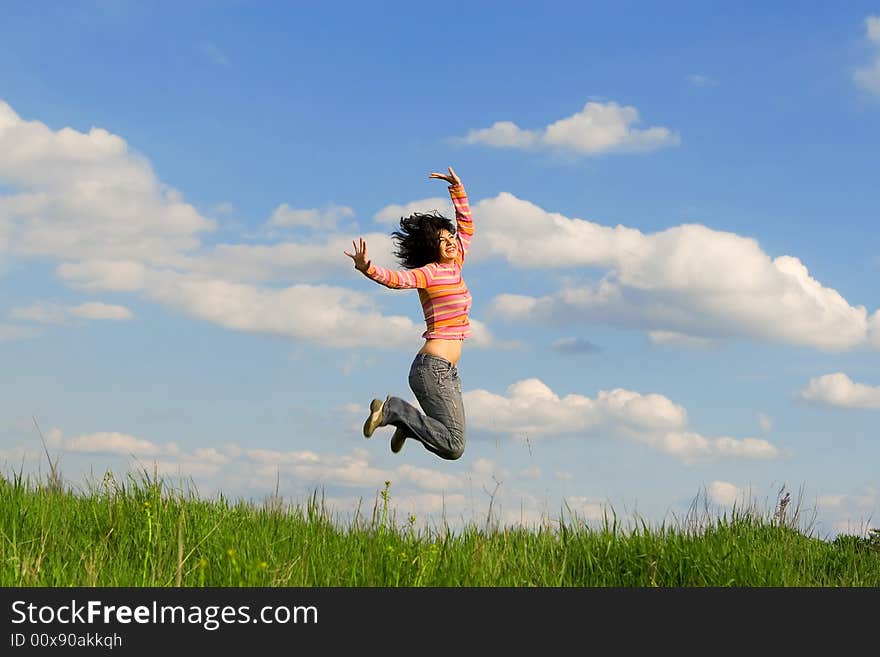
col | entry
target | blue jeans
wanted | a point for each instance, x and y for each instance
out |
(436, 385)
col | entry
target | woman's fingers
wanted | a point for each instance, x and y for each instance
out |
(360, 249)
(450, 177)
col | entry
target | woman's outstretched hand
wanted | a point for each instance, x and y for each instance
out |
(359, 256)
(451, 178)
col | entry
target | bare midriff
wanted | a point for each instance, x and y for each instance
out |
(447, 349)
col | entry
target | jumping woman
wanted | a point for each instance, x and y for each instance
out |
(432, 252)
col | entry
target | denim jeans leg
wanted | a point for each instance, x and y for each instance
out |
(436, 385)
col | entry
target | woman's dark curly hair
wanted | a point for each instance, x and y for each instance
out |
(418, 240)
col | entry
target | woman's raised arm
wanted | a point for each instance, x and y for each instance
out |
(464, 222)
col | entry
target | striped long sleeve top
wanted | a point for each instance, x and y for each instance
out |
(445, 299)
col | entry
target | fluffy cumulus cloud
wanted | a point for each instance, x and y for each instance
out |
(838, 390)
(355, 469)
(288, 261)
(686, 284)
(254, 471)
(338, 317)
(86, 200)
(868, 77)
(726, 493)
(855, 512)
(392, 214)
(587, 509)
(531, 409)
(348, 481)
(110, 442)
(100, 310)
(285, 216)
(87, 194)
(597, 129)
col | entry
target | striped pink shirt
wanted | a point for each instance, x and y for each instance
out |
(445, 299)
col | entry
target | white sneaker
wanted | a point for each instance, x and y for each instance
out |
(397, 440)
(374, 419)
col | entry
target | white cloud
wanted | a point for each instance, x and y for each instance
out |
(503, 134)
(751, 448)
(482, 338)
(855, 511)
(110, 442)
(679, 340)
(586, 509)
(688, 280)
(726, 494)
(100, 310)
(853, 526)
(428, 478)
(484, 466)
(87, 195)
(285, 216)
(391, 214)
(598, 128)
(183, 468)
(106, 275)
(87, 201)
(530, 409)
(428, 503)
(691, 447)
(252, 470)
(338, 317)
(261, 465)
(838, 390)
(46, 312)
(649, 411)
(245, 263)
(868, 78)
(288, 261)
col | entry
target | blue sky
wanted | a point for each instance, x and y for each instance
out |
(673, 269)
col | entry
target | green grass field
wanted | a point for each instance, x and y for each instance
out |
(145, 533)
